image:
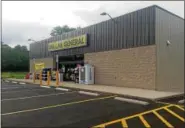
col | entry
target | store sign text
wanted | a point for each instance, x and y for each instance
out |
(68, 43)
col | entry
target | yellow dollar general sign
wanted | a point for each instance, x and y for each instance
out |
(39, 66)
(68, 43)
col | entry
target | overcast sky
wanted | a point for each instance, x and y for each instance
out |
(31, 19)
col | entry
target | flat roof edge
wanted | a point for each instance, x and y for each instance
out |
(155, 6)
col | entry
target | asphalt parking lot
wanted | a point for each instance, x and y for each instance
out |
(27, 105)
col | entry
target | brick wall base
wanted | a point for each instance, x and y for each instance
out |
(134, 67)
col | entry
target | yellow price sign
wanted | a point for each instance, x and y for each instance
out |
(39, 66)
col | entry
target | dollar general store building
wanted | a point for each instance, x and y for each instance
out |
(143, 49)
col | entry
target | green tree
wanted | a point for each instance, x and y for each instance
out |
(15, 59)
(58, 30)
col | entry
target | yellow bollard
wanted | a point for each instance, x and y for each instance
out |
(34, 77)
(57, 79)
(48, 78)
(40, 78)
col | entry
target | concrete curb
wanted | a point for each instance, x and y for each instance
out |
(124, 95)
(62, 89)
(88, 93)
(7, 81)
(150, 100)
(131, 101)
(167, 97)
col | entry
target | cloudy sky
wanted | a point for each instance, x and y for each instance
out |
(31, 19)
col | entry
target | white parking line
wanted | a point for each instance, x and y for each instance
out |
(45, 86)
(181, 101)
(9, 88)
(14, 82)
(29, 97)
(22, 90)
(88, 93)
(131, 101)
(62, 89)
(22, 83)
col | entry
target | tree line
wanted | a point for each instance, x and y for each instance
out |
(14, 59)
(17, 58)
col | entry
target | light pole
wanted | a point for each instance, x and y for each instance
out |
(104, 13)
(57, 62)
(33, 62)
(34, 70)
(33, 58)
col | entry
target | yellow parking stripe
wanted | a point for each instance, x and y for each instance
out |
(58, 105)
(146, 112)
(99, 126)
(163, 120)
(132, 116)
(144, 121)
(140, 115)
(180, 107)
(124, 123)
(173, 113)
(165, 103)
(108, 123)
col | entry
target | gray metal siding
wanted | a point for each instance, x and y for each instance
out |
(170, 59)
(133, 30)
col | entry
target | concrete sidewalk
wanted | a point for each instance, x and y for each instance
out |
(127, 92)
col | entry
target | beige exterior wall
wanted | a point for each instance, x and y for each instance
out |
(134, 67)
(49, 63)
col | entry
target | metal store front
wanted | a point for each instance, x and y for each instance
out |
(127, 53)
(67, 64)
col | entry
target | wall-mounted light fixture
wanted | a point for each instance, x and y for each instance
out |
(168, 42)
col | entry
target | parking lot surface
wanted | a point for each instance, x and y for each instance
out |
(27, 105)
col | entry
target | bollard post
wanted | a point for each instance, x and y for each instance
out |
(57, 78)
(40, 78)
(34, 77)
(48, 78)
